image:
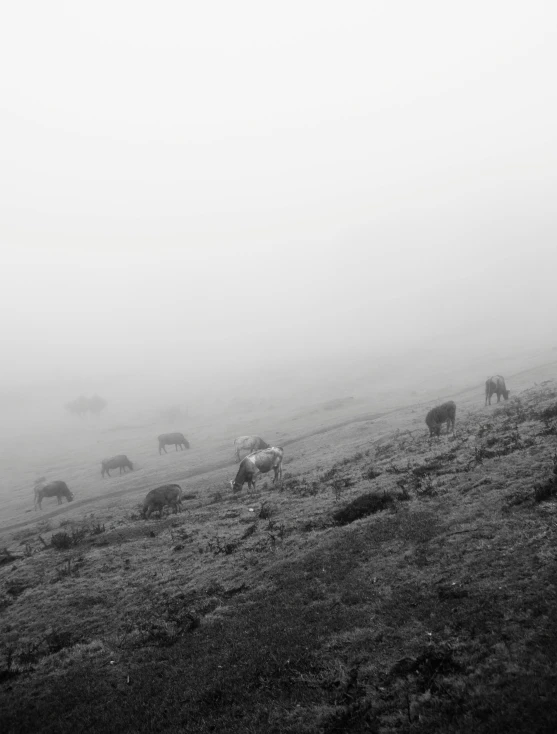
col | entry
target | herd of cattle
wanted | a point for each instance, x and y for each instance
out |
(259, 458)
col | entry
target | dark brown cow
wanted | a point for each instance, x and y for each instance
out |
(168, 439)
(258, 463)
(248, 444)
(116, 462)
(445, 413)
(157, 499)
(56, 489)
(495, 386)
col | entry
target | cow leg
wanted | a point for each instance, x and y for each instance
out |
(175, 447)
(165, 451)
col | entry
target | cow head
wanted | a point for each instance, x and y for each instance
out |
(70, 496)
(506, 394)
(234, 486)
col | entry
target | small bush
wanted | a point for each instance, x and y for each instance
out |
(267, 510)
(365, 504)
(61, 541)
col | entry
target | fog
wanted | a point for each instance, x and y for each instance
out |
(209, 200)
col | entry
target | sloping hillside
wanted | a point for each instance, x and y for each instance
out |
(392, 583)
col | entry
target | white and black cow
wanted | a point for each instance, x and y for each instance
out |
(259, 462)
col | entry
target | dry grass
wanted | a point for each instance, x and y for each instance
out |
(391, 583)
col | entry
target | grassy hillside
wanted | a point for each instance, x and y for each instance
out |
(389, 584)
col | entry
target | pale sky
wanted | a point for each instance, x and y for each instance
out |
(220, 183)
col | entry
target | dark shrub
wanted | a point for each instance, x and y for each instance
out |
(365, 504)
(61, 541)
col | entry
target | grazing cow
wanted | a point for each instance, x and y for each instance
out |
(258, 463)
(116, 462)
(56, 489)
(495, 385)
(249, 444)
(167, 439)
(445, 413)
(157, 499)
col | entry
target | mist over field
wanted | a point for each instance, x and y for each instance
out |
(203, 199)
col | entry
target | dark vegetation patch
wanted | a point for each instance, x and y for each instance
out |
(365, 504)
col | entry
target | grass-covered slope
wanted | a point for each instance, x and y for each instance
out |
(407, 585)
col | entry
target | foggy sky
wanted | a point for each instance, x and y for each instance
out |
(196, 187)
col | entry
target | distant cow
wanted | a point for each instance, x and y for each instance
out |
(495, 385)
(157, 499)
(445, 413)
(168, 439)
(56, 489)
(116, 462)
(249, 444)
(258, 463)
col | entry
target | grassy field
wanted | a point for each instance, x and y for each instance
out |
(391, 583)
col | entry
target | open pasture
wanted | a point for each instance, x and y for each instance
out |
(390, 583)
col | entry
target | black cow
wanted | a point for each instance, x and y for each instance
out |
(157, 499)
(495, 386)
(445, 413)
(116, 462)
(167, 439)
(258, 463)
(56, 489)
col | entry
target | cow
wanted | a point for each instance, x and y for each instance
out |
(167, 439)
(249, 444)
(56, 489)
(445, 413)
(495, 385)
(116, 462)
(259, 462)
(157, 499)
